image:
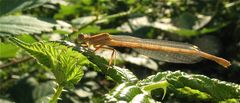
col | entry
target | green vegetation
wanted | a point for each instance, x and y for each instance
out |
(41, 59)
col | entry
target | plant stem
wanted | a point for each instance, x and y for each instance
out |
(121, 14)
(15, 62)
(162, 84)
(56, 95)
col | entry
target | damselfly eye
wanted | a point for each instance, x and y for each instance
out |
(81, 37)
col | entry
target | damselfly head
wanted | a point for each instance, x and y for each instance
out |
(83, 37)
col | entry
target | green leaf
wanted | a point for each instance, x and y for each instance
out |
(100, 64)
(117, 74)
(7, 50)
(127, 92)
(9, 6)
(142, 98)
(218, 90)
(17, 25)
(131, 1)
(196, 86)
(90, 29)
(193, 93)
(123, 92)
(153, 86)
(67, 10)
(199, 87)
(65, 63)
(125, 74)
(27, 38)
(87, 2)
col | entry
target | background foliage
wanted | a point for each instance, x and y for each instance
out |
(50, 57)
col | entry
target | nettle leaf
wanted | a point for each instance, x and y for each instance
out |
(196, 86)
(128, 93)
(7, 50)
(65, 63)
(17, 25)
(117, 74)
(199, 87)
(18, 5)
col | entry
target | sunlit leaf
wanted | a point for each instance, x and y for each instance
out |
(17, 25)
(117, 74)
(65, 63)
(7, 50)
(126, 92)
(90, 29)
(142, 98)
(66, 10)
(87, 2)
(197, 86)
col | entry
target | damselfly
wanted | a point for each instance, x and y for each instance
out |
(169, 51)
